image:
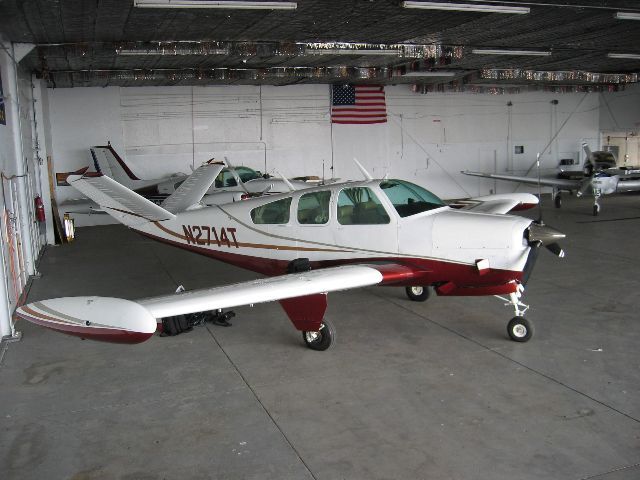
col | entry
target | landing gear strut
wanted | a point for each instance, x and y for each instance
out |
(596, 205)
(417, 293)
(519, 328)
(322, 339)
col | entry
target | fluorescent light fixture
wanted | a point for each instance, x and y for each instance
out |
(237, 4)
(631, 56)
(430, 73)
(489, 51)
(466, 7)
(349, 51)
(170, 52)
(627, 16)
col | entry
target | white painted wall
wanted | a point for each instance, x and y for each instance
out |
(620, 111)
(428, 139)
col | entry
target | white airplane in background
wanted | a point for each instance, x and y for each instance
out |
(600, 176)
(311, 242)
(231, 185)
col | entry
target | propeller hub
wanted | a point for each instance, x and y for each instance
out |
(539, 234)
(543, 234)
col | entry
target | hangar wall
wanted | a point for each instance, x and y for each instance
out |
(428, 138)
(619, 110)
(22, 237)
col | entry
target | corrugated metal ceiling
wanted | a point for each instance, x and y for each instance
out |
(111, 42)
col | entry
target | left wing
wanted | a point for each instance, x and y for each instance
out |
(126, 321)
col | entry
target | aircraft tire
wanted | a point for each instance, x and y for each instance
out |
(417, 293)
(596, 210)
(558, 201)
(520, 329)
(322, 339)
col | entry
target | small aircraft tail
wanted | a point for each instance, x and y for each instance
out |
(107, 161)
(123, 204)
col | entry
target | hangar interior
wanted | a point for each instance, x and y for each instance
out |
(410, 390)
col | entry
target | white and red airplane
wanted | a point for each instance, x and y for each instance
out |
(311, 242)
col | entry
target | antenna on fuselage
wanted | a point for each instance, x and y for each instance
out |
(286, 181)
(235, 175)
(367, 175)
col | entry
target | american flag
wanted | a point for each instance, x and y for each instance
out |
(358, 104)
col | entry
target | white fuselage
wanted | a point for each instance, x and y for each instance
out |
(428, 240)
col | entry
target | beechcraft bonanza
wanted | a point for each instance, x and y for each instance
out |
(311, 242)
(231, 185)
(600, 176)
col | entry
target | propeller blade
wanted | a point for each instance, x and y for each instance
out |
(586, 185)
(555, 249)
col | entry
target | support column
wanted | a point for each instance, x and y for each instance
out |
(25, 204)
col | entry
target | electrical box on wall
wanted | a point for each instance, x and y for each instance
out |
(518, 149)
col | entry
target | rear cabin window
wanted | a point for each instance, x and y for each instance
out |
(313, 208)
(272, 213)
(409, 198)
(360, 206)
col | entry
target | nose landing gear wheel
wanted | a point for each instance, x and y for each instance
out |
(596, 210)
(520, 329)
(417, 294)
(322, 339)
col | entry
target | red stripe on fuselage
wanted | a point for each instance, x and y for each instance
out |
(398, 271)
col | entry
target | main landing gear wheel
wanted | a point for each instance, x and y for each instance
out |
(520, 329)
(322, 339)
(417, 294)
(558, 201)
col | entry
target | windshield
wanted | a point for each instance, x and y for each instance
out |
(409, 198)
(246, 173)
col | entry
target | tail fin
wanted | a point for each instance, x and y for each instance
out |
(191, 191)
(123, 204)
(109, 163)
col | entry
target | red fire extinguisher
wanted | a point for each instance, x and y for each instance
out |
(39, 209)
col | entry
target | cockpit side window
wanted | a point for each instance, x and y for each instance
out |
(273, 213)
(360, 206)
(409, 198)
(313, 208)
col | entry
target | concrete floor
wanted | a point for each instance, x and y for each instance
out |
(410, 391)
